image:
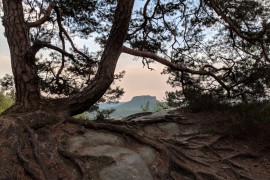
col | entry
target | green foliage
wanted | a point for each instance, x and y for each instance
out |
(100, 114)
(82, 20)
(6, 100)
(83, 115)
(191, 34)
(210, 44)
(251, 120)
(175, 99)
(104, 114)
(161, 106)
(199, 101)
(7, 83)
(145, 108)
(195, 99)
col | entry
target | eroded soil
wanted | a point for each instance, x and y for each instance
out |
(174, 144)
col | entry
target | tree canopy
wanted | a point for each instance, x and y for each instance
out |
(209, 46)
(213, 50)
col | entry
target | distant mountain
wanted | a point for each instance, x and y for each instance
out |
(109, 105)
(135, 106)
(124, 109)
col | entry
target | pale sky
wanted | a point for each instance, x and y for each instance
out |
(137, 80)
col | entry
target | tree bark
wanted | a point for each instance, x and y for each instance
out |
(25, 71)
(23, 66)
(81, 102)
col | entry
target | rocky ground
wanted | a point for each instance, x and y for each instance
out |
(165, 145)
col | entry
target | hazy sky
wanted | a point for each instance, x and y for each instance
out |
(137, 81)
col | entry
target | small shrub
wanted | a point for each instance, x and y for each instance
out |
(235, 129)
(145, 108)
(252, 120)
(161, 106)
(5, 101)
(83, 115)
(197, 101)
(104, 114)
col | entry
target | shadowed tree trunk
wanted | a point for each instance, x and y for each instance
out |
(105, 75)
(23, 66)
(25, 71)
(36, 133)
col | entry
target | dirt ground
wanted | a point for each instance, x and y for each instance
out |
(181, 145)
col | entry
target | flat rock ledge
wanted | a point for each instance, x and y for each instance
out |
(119, 157)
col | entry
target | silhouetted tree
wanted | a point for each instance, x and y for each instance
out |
(215, 46)
(213, 49)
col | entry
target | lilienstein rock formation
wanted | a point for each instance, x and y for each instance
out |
(163, 145)
(135, 106)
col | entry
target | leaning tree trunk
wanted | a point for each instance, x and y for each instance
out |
(25, 71)
(109, 59)
(23, 67)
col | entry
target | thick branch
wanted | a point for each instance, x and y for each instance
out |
(45, 18)
(232, 25)
(105, 75)
(216, 69)
(173, 66)
(41, 44)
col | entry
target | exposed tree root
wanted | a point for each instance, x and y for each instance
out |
(142, 138)
(183, 156)
(25, 163)
(36, 150)
(244, 155)
(80, 160)
(172, 149)
(237, 170)
(74, 160)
